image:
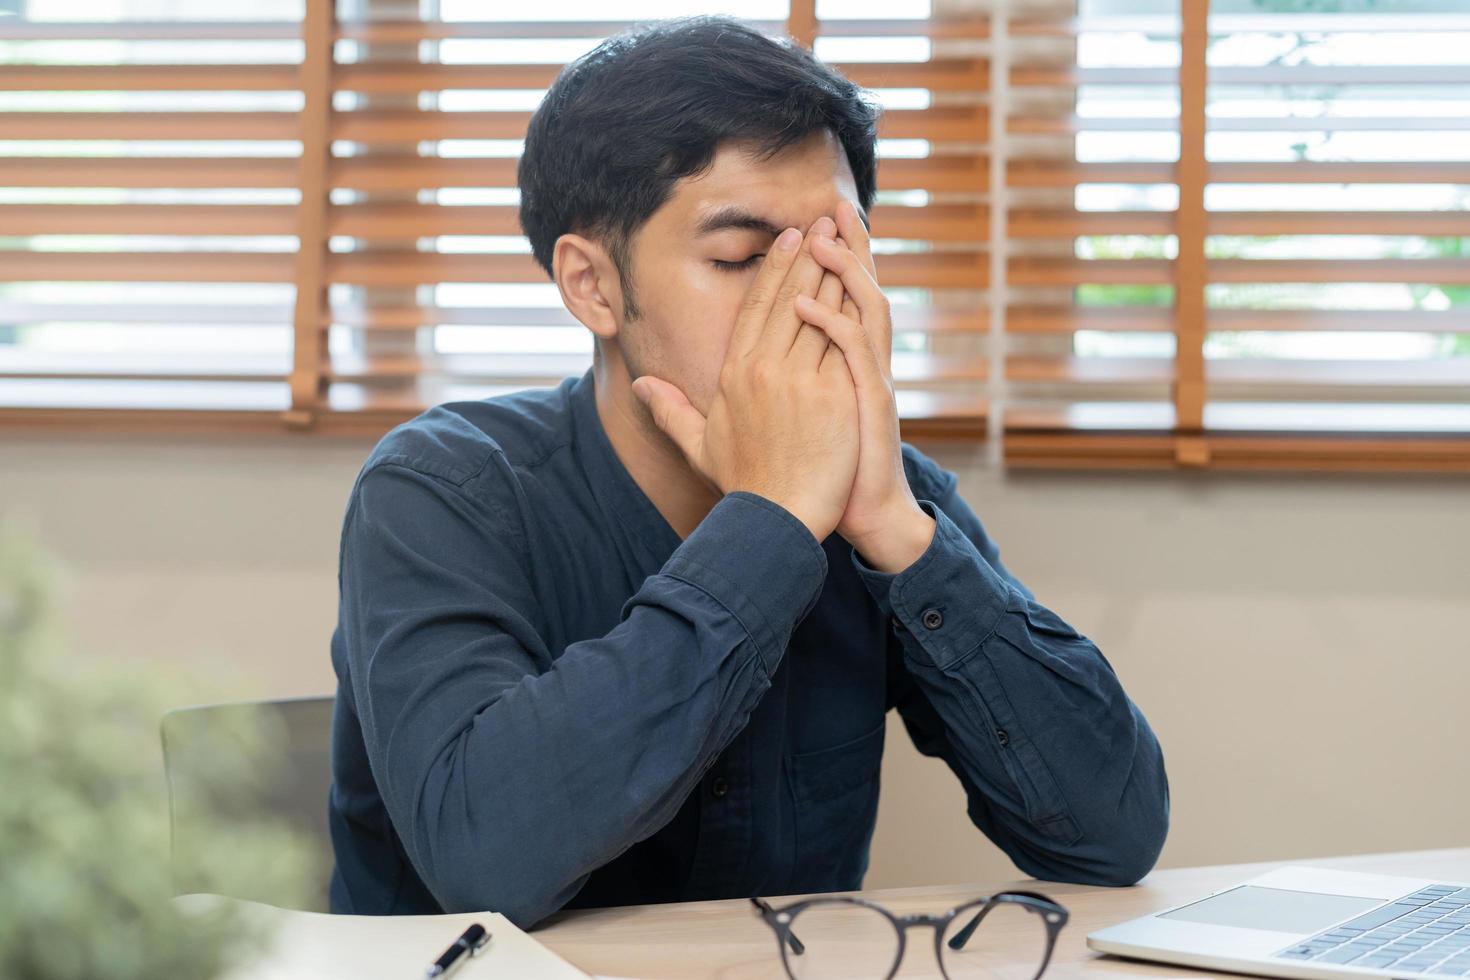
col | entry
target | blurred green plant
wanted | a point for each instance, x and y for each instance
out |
(84, 823)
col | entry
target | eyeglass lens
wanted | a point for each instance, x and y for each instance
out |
(1009, 942)
(842, 941)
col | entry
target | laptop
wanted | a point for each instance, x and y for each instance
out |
(1310, 922)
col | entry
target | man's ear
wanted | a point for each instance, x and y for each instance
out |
(589, 284)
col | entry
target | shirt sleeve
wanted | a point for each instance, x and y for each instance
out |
(1060, 768)
(510, 776)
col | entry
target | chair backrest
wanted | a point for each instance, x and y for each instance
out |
(293, 790)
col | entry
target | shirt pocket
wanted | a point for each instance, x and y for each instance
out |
(835, 792)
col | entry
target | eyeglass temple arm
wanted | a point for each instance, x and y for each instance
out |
(958, 940)
(765, 909)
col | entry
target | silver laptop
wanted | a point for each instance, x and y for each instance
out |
(1310, 922)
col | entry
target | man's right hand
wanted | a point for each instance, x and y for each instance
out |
(783, 423)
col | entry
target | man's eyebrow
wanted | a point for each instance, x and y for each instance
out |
(734, 216)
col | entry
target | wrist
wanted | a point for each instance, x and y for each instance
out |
(900, 542)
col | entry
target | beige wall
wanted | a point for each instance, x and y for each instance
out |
(1300, 644)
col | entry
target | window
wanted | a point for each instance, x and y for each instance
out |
(1210, 232)
(1270, 232)
(147, 207)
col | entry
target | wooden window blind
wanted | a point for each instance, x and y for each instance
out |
(1168, 255)
(148, 208)
(347, 199)
(1258, 258)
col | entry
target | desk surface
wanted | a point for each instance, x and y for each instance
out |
(725, 940)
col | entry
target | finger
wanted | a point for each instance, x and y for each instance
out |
(850, 226)
(830, 292)
(812, 344)
(672, 413)
(807, 350)
(834, 366)
(848, 307)
(857, 347)
(802, 279)
(834, 359)
(871, 302)
(761, 296)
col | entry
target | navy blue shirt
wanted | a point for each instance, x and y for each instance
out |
(547, 699)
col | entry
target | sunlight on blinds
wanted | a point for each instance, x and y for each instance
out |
(1153, 233)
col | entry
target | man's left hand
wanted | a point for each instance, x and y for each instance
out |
(882, 521)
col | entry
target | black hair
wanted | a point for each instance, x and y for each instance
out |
(647, 107)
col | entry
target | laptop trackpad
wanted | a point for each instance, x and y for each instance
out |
(1253, 907)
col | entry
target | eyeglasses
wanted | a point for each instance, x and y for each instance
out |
(1007, 936)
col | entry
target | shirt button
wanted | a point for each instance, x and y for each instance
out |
(719, 787)
(896, 623)
(932, 619)
(1002, 737)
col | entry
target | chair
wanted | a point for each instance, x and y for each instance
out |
(294, 791)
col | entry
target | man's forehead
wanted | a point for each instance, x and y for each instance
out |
(745, 189)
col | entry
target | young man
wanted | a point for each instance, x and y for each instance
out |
(633, 639)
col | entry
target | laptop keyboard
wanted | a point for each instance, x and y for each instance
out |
(1426, 933)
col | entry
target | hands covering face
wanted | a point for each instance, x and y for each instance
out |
(806, 414)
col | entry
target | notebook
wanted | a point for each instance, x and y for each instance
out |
(318, 946)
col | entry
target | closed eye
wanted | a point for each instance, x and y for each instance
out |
(738, 266)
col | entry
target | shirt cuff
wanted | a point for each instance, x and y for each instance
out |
(757, 560)
(947, 602)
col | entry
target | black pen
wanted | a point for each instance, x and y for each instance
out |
(467, 945)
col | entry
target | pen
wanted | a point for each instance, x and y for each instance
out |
(474, 938)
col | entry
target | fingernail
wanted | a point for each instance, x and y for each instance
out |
(788, 239)
(824, 226)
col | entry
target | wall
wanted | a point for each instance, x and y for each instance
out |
(1301, 645)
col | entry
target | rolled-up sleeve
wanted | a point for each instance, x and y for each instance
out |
(1061, 769)
(509, 775)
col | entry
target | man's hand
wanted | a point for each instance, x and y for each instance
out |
(783, 423)
(882, 520)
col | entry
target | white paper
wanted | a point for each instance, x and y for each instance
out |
(318, 946)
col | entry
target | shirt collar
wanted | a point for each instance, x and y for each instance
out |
(622, 501)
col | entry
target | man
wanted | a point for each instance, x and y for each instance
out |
(633, 638)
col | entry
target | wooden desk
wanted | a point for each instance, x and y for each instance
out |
(725, 940)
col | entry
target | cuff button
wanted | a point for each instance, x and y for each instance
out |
(932, 619)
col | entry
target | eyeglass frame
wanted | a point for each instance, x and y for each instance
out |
(1053, 914)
